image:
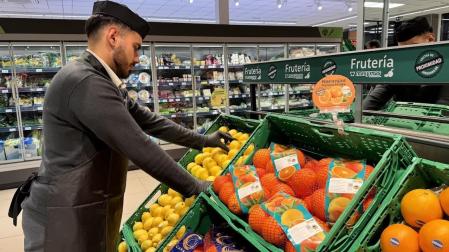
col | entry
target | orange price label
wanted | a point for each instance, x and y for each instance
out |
(333, 93)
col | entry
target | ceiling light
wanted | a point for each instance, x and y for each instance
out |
(279, 4)
(380, 5)
(320, 7)
(190, 1)
(349, 5)
(237, 3)
(335, 21)
(419, 12)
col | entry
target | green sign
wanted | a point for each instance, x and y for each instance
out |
(406, 65)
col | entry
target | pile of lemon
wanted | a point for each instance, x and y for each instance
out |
(211, 162)
(159, 221)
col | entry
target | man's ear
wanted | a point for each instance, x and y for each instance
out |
(112, 34)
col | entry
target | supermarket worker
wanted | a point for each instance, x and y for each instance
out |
(415, 31)
(91, 129)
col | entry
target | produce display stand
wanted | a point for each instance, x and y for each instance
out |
(408, 65)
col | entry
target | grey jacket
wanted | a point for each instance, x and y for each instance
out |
(91, 128)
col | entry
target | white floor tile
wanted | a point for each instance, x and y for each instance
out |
(11, 244)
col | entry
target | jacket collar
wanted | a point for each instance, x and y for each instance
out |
(91, 60)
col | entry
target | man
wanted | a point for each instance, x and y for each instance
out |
(91, 127)
(415, 31)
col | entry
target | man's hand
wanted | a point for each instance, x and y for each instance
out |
(214, 140)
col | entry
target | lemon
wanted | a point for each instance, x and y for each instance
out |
(239, 161)
(157, 238)
(122, 247)
(232, 153)
(215, 171)
(164, 200)
(153, 231)
(137, 226)
(156, 221)
(244, 137)
(249, 150)
(220, 158)
(207, 149)
(225, 163)
(173, 219)
(234, 145)
(189, 201)
(232, 132)
(174, 193)
(143, 237)
(199, 158)
(209, 162)
(171, 244)
(179, 205)
(146, 244)
(156, 212)
(183, 211)
(152, 207)
(162, 225)
(237, 135)
(216, 151)
(145, 216)
(151, 249)
(181, 232)
(170, 211)
(210, 178)
(139, 232)
(195, 170)
(148, 223)
(175, 200)
(223, 129)
(166, 230)
(190, 166)
(203, 174)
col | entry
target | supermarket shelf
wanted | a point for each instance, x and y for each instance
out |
(239, 96)
(238, 110)
(5, 70)
(22, 108)
(37, 69)
(235, 66)
(183, 67)
(141, 68)
(210, 67)
(204, 114)
(24, 90)
(183, 99)
(173, 83)
(302, 106)
(8, 129)
(33, 127)
(178, 115)
(266, 94)
(236, 82)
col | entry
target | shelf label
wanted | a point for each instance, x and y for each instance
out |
(183, 83)
(170, 100)
(5, 71)
(27, 128)
(38, 70)
(5, 91)
(166, 67)
(171, 84)
(232, 111)
(215, 113)
(243, 95)
(40, 108)
(187, 99)
(8, 110)
(200, 98)
(189, 114)
(164, 100)
(12, 129)
(178, 100)
(202, 67)
(176, 67)
(160, 67)
(207, 98)
(173, 116)
(187, 67)
(39, 89)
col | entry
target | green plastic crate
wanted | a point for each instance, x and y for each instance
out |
(391, 154)
(315, 114)
(206, 212)
(234, 122)
(421, 174)
(416, 109)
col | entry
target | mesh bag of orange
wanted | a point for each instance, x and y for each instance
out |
(285, 161)
(248, 189)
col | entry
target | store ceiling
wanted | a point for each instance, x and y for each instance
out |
(264, 12)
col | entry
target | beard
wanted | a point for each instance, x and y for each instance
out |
(122, 66)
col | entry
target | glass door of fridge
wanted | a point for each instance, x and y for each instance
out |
(73, 51)
(10, 144)
(239, 93)
(174, 80)
(323, 49)
(301, 50)
(208, 62)
(271, 52)
(35, 65)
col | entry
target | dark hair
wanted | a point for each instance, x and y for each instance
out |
(411, 28)
(96, 22)
(373, 44)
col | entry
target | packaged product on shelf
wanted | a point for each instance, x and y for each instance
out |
(247, 186)
(190, 242)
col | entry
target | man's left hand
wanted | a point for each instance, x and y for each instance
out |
(215, 140)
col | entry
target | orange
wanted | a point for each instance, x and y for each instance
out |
(303, 182)
(434, 236)
(444, 200)
(289, 247)
(325, 161)
(301, 158)
(219, 181)
(318, 204)
(420, 206)
(368, 170)
(325, 98)
(291, 217)
(234, 205)
(261, 158)
(312, 164)
(273, 233)
(260, 172)
(321, 177)
(399, 238)
(270, 167)
(286, 173)
(282, 187)
(226, 191)
(323, 224)
(256, 218)
(269, 181)
(367, 203)
(308, 203)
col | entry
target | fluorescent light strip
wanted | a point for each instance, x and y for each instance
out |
(43, 15)
(380, 5)
(419, 12)
(335, 21)
(261, 22)
(180, 20)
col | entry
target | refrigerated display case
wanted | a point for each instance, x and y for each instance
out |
(301, 50)
(209, 73)
(73, 51)
(174, 83)
(239, 94)
(323, 49)
(271, 52)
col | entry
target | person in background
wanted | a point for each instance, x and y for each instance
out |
(415, 31)
(373, 44)
(91, 129)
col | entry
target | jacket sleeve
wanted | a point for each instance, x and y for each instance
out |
(164, 128)
(378, 97)
(99, 106)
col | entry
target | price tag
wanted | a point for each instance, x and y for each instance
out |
(5, 71)
(160, 67)
(200, 98)
(201, 67)
(8, 110)
(244, 95)
(187, 67)
(5, 91)
(215, 113)
(40, 108)
(173, 116)
(164, 100)
(166, 67)
(179, 100)
(12, 129)
(176, 67)
(304, 230)
(27, 128)
(275, 93)
(39, 89)
(38, 70)
(171, 84)
(249, 189)
(189, 114)
(170, 100)
(207, 98)
(187, 99)
(232, 111)
(230, 96)
(183, 83)
(341, 185)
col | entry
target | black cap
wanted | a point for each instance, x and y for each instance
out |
(412, 28)
(122, 13)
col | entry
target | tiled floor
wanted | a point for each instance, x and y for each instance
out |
(139, 186)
